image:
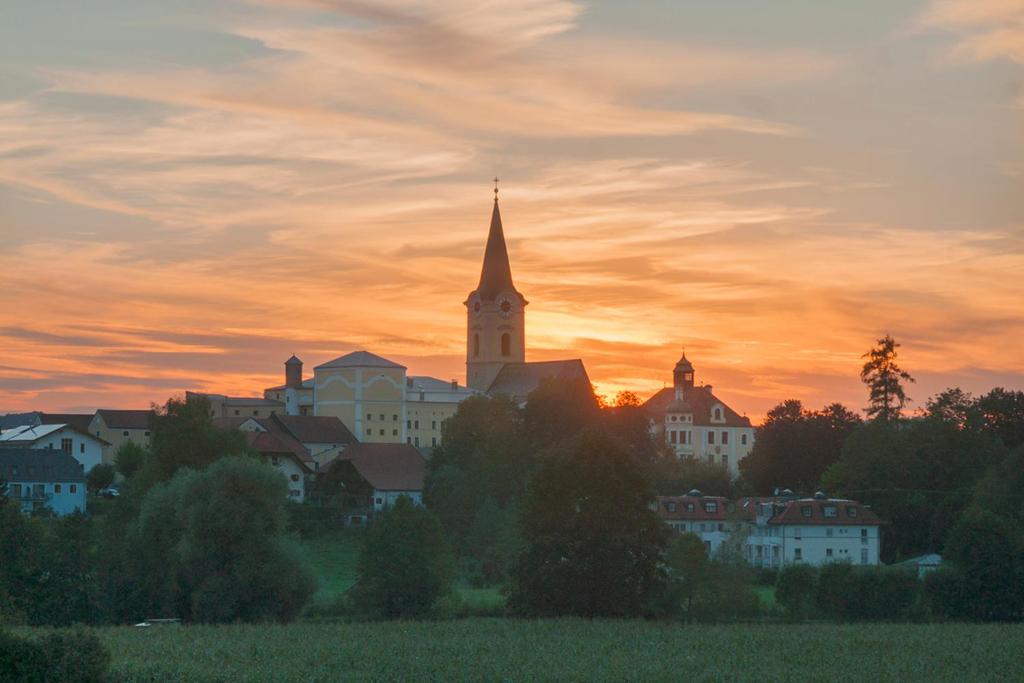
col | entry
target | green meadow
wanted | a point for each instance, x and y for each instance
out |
(566, 650)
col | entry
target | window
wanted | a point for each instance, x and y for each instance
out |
(689, 507)
(275, 461)
(711, 437)
(798, 533)
(851, 510)
(433, 424)
(16, 490)
(369, 431)
(806, 510)
(394, 432)
(711, 506)
(828, 552)
(65, 445)
(743, 439)
(382, 417)
(126, 433)
(394, 418)
(408, 424)
(672, 437)
(797, 554)
(416, 424)
(863, 555)
(295, 477)
(718, 413)
(408, 439)
(829, 510)
(725, 460)
(828, 532)
(671, 507)
(369, 416)
(506, 344)
(81, 447)
(416, 441)
(146, 433)
(863, 536)
(725, 438)
(382, 432)
(433, 441)
(476, 345)
(56, 488)
(673, 418)
(73, 488)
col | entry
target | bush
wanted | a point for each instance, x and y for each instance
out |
(100, 477)
(405, 566)
(60, 657)
(987, 551)
(846, 592)
(75, 657)
(795, 590)
(130, 458)
(21, 661)
(945, 595)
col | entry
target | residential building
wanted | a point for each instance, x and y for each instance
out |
(277, 448)
(381, 473)
(705, 516)
(85, 448)
(695, 423)
(323, 437)
(238, 406)
(788, 530)
(43, 478)
(296, 393)
(118, 427)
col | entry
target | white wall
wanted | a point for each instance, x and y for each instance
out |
(385, 499)
(70, 497)
(87, 450)
(855, 544)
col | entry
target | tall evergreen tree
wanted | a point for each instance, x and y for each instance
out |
(883, 377)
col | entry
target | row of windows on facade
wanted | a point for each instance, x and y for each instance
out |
(125, 433)
(812, 532)
(38, 490)
(506, 345)
(716, 416)
(415, 440)
(709, 506)
(409, 424)
(798, 554)
(685, 436)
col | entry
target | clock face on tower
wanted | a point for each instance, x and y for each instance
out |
(505, 308)
(476, 307)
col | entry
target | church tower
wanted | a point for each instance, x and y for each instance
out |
(682, 378)
(495, 328)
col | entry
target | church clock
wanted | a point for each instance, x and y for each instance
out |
(505, 307)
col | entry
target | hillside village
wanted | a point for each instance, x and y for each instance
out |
(372, 422)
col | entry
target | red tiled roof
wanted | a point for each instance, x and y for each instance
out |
(126, 419)
(692, 507)
(701, 401)
(315, 428)
(387, 466)
(273, 441)
(811, 512)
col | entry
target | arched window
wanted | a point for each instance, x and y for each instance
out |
(506, 344)
(718, 413)
(476, 345)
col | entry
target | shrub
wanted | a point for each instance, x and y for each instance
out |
(795, 590)
(75, 657)
(405, 566)
(945, 596)
(846, 592)
(100, 477)
(21, 661)
(987, 550)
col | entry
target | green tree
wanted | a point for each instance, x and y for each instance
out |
(795, 589)
(557, 410)
(1002, 412)
(494, 541)
(687, 569)
(794, 446)
(989, 554)
(130, 458)
(405, 565)
(884, 378)
(100, 477)
(592, 546)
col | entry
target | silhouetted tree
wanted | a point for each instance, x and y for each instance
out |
(987, 553)
(884, 378)
(592, 544)
(100, 476)
(794, 446)
(130, 458)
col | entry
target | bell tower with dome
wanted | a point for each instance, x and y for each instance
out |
(495, 313)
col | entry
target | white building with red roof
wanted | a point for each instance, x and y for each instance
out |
(696, 423)
(788, 530)
(705, 516)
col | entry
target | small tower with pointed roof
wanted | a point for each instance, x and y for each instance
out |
(495, 313)
(682, 377)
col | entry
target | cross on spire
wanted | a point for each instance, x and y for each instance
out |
(496, 188)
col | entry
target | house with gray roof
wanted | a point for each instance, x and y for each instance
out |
(43, 478)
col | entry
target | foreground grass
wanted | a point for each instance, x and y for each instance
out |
(567, 650)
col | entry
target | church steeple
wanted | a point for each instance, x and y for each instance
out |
(496, 274)
(495, 320)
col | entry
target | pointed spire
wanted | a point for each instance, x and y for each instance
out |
(496, 275)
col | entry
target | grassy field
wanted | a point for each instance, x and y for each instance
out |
(567, 650)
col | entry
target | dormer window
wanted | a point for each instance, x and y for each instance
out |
(711, 507)
(671, 507)
(718, 414)
(829, 510)
(851, 510)
(806, 510)
(690, 507)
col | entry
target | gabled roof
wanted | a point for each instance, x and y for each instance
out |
(78, 420)
(496, 274)
(42, 465)
(126, 419)
(315, 429)
(699, 504)
(294, 360)
(519, 379)
(386, 466)
(270, 440)
(11, 420)
(700, 401)
(811, 512)
(26, 434)
(360, 359)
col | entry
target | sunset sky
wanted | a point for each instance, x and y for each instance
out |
(191, 191)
